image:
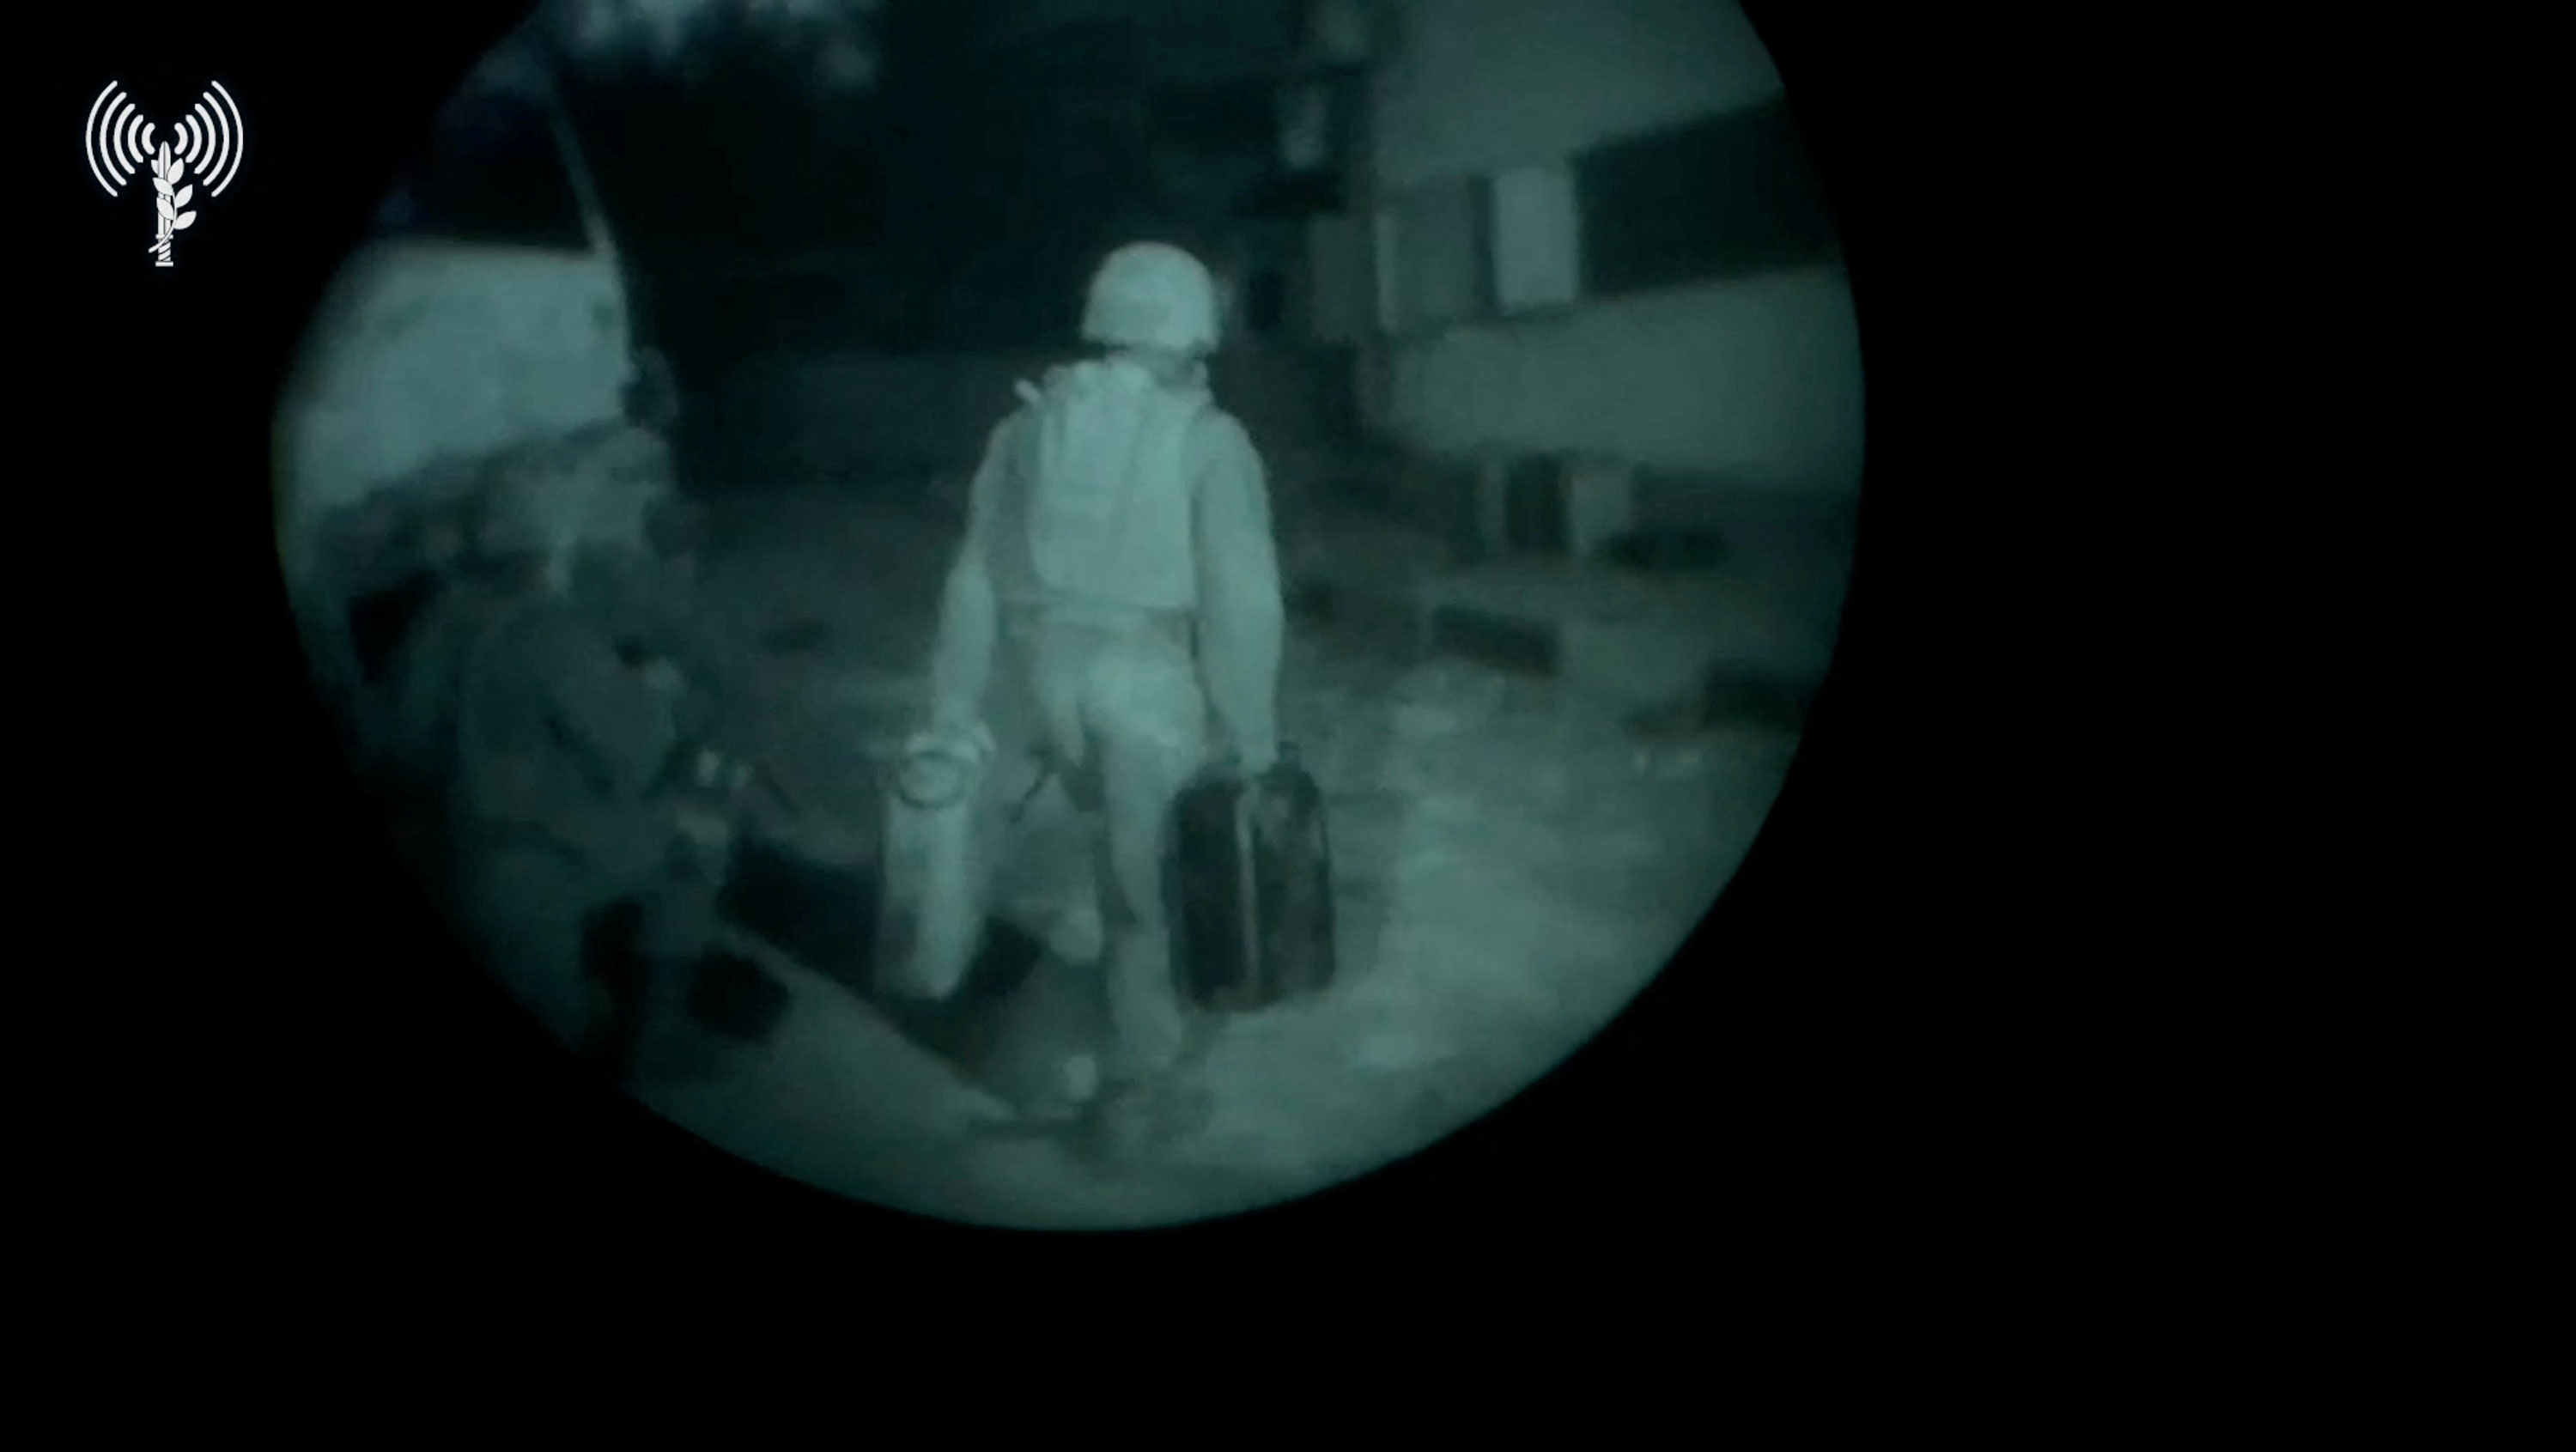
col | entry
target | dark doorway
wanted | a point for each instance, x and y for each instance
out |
(1534, 507)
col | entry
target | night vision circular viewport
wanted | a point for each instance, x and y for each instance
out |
(1354, 514)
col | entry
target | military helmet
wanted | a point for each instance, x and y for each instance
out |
(1152, 295)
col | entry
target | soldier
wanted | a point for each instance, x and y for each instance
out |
(645, 593)
(1118, 587)
(587, 820)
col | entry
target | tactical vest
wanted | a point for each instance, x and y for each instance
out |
(1094, 508)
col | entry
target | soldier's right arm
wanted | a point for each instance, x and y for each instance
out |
(623, 728)
(969, 613)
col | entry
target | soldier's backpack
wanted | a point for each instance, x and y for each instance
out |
(1106, 514)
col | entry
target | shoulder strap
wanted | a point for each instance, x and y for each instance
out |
(1199, 412)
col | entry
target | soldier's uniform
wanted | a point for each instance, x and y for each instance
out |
(1116, 608)
(582, 726)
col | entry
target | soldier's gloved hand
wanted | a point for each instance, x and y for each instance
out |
(953, 733)
(1254, 758)
(704, 826)
(720, 776)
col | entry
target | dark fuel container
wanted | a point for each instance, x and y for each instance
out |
(1254, 876)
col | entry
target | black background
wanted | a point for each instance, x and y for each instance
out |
(1652, 218)
(253, 1072)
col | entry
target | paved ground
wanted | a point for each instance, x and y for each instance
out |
(1513, 865)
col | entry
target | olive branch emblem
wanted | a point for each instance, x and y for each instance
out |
(169, 200)
(204, 148)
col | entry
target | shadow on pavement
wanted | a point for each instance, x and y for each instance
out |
(1011, 1025)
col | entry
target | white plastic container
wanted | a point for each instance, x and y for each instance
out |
(931, 922)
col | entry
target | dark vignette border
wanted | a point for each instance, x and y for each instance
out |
(283, 1073)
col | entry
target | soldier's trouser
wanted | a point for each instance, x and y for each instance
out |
(649, 944)
(1125, 719)
(526, 909)
(543, 920)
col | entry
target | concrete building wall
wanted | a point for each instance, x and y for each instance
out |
(1754, 380)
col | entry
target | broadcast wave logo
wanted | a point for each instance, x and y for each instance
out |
(207, 144)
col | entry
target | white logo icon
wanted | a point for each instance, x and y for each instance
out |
(207, 142)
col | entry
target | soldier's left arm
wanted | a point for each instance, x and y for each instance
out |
(1243, 615)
